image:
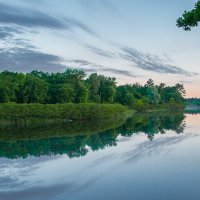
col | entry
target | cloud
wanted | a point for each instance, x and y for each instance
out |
(6, 32)
(23, 59)
(95, 68)
(29, 18)
(102, 160)
(80, 62)
(118, 71)
(100, 52)
(159, 146)
(17, 20)
(185, 82)
(10, 181)
(96, 5)
(47, 192)
(150, 62)
(72, 23)
(141, 60)
(108, 5)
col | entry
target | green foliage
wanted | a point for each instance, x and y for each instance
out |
(190, 19)
(34, 90)
(72, 86)
(101, 89)
(61, 111)
(151, 95)
(64, 93)
(81, 93)
(193, 101)
(192, 105)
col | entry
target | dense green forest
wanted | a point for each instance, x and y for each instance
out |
(193, 101)
(73, 86)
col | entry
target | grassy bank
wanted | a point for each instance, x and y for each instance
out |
(26, 115)
(70, 111)
(61, 111)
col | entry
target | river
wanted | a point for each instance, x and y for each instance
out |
(151, 156)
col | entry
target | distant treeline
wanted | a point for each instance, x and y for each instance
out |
(72, 86)
(193, 101)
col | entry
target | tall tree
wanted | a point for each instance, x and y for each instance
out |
(34, 90)
(93, 83)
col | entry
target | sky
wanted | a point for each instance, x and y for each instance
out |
(132, 40)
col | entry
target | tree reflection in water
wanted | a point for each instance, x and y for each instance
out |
(74, 139)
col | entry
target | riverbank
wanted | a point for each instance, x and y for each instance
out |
(87, 111)
(71, 112)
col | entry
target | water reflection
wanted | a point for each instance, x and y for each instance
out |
(124, 159)
(77, 138)
(193, 111)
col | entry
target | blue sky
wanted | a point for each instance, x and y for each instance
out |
(132, 40)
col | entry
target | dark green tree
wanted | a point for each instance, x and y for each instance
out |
(72, 87)
(8, 86)
(93, 84)
(34, 90)
(190, 19)
(65, 93)
(107, 89)
(81, 93)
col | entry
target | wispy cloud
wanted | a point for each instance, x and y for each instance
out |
(16, 52)
(150, 62)
(119, 72)
(149, 148)
(6, 32)
(29, 18)
(100, 52)
(144, 61)
(71, 23)
(95, 68)
(23, 59)
(95, 5)
(79, 62)
(17, 20)
(45, 192)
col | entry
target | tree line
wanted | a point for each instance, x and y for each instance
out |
(73, 86)
(193, 101)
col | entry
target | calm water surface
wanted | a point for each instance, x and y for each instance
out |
(150, 156)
